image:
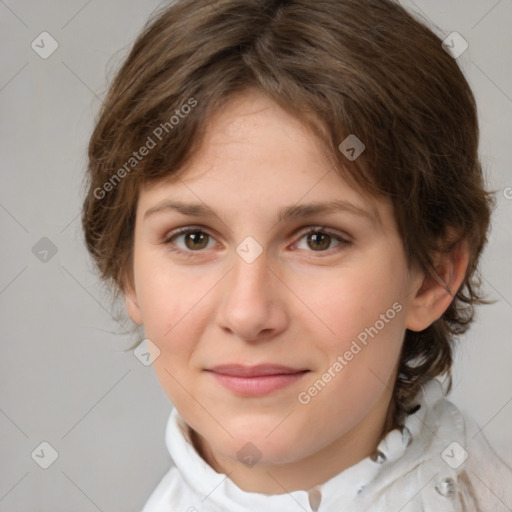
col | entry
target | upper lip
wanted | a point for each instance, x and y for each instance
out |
(240, 370)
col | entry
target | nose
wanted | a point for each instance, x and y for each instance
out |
(253, 306)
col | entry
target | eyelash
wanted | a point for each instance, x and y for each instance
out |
(194, 229)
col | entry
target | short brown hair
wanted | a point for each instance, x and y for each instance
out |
(363, 67)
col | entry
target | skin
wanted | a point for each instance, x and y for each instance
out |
(297, 304)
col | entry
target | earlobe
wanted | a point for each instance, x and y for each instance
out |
(435, 293)
(132, 306)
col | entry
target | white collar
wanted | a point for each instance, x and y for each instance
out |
(420, 442)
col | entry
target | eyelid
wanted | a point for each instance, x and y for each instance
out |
(185, 229)
(324, 229)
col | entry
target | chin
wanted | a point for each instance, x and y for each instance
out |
(256, 443)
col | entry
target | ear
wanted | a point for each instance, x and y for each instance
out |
(432, 298)
(131, 304)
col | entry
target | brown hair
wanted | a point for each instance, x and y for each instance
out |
(343, 67)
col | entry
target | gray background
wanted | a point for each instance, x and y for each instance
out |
(65, 378)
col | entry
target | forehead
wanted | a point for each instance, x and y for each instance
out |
(255, 155)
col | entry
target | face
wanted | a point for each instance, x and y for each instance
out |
(279, 320)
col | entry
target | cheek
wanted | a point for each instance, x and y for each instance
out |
(351, 300)
(163, 291)
(172, 313)
(364, 314)
(176, 308)
(160, 305)
(166, 301)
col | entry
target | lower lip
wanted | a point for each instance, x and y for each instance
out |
(259, 385)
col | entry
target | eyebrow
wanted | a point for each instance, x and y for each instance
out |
(286, 213)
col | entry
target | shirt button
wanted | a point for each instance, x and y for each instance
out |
(315, 497)
(446, 488)
(378, 457)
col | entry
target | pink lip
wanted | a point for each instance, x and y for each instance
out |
(255, 380)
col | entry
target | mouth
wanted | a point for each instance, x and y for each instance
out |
(256, 380)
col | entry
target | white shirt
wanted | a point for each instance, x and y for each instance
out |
(439, 462)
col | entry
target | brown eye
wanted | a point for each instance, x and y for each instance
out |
(190, 240)
(318, 241)
(195, 240)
